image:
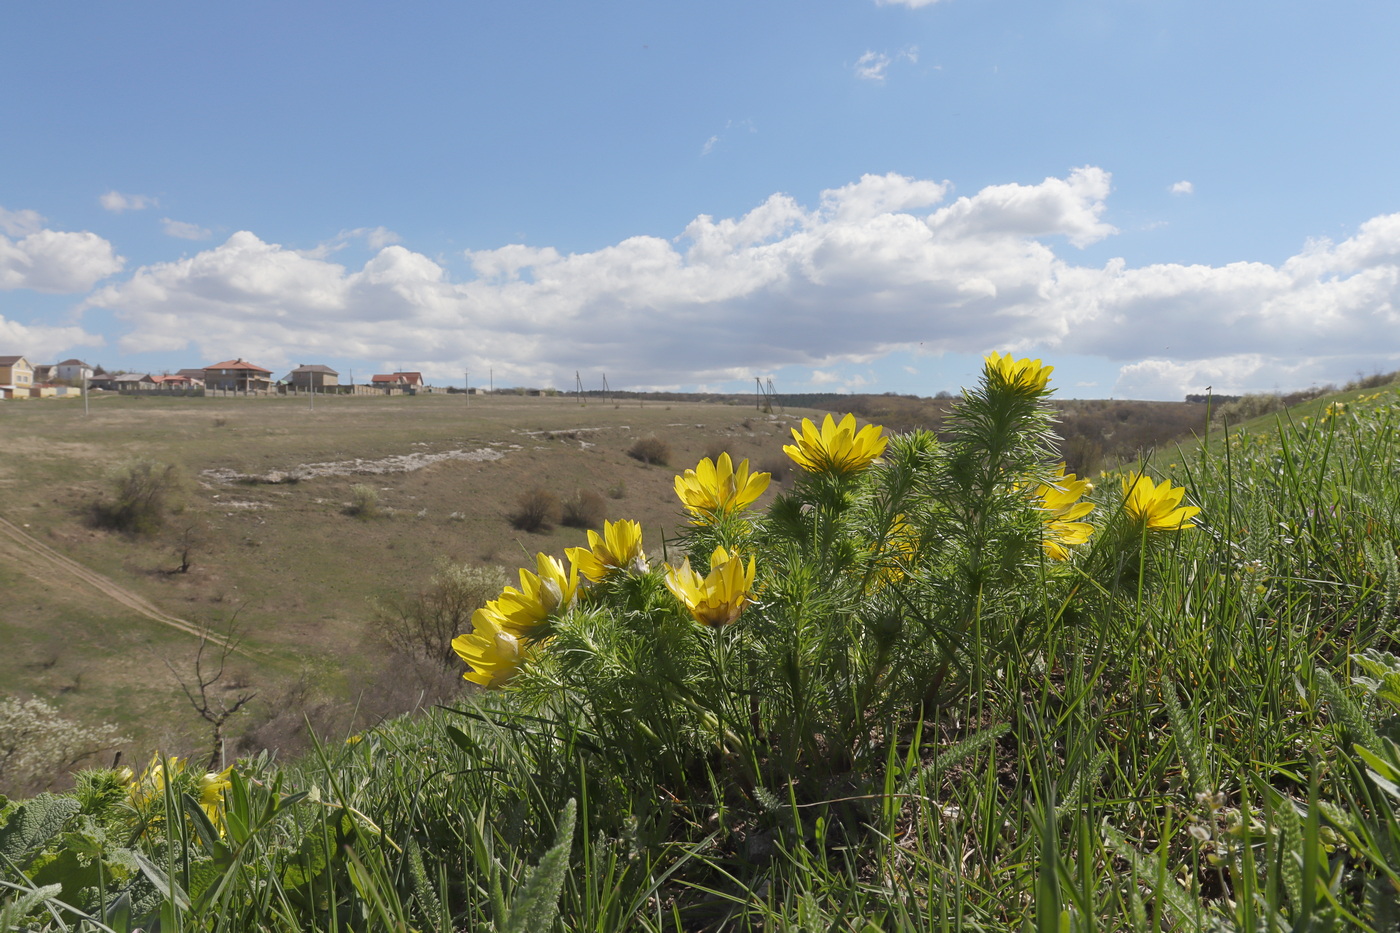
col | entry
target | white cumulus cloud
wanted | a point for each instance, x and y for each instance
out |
(116, 202)
(41, 343)
(875, 66)
(184, 231)
(51, 260)
(20, 223)
(1183, 187)
(884, 263)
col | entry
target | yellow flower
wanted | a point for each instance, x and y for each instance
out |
(1156, 507)
(1060, 499)
(494, 653)
(150, 786)
(541, 594)
(900, 545)
(619, 547)
(1023, 375)
(713, 489)
(211, 787)
(837, 448)
(715, 600)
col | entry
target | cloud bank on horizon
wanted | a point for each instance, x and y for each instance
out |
(884, 264)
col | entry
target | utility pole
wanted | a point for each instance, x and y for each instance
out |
(467, 386)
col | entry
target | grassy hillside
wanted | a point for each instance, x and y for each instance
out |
(951, 697)
(275, 557)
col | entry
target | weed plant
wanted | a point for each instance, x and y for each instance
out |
(364, 502)
(586, 508)
(651, 450)
(536, 510)
(141, 495)
(927, 689)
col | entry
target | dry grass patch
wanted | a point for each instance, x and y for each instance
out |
(652, 451)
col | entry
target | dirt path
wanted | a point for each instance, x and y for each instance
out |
(36, 559)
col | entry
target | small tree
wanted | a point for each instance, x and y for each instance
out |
(423, 625)
(37, 744)
(190, 540)
(215, 710)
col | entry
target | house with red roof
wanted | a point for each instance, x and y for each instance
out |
(398, 380)
(238, 376)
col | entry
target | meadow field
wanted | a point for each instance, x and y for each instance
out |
(922, 683)
(275, 557)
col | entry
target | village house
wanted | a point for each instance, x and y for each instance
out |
(133, 382)
(176, 381)
(238, 376)
(74, 371)
(314, 376)
(409, 382)
(16, 376)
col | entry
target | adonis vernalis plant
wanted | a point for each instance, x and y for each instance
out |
(865, 595)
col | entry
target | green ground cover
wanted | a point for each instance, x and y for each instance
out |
(919, 718)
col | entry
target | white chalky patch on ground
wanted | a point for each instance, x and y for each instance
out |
(401, 463)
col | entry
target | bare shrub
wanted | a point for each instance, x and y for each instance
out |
(213, 705)
(1373, 381)
(617, 490)
(290, 717)
(190, 541)
(1247, 407)
(778, 466)
(142, 493)
(651, 450)
(364, 501)
(1083, 455)
(535, 510)
(584, 509)
(423, 625)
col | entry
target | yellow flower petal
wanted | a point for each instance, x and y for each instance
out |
(617, 549)
(716, 488)
(838, 447)
(718, 599)
(1025, 376)
(1156, 506)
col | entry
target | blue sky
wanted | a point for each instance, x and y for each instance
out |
(1155, 197)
